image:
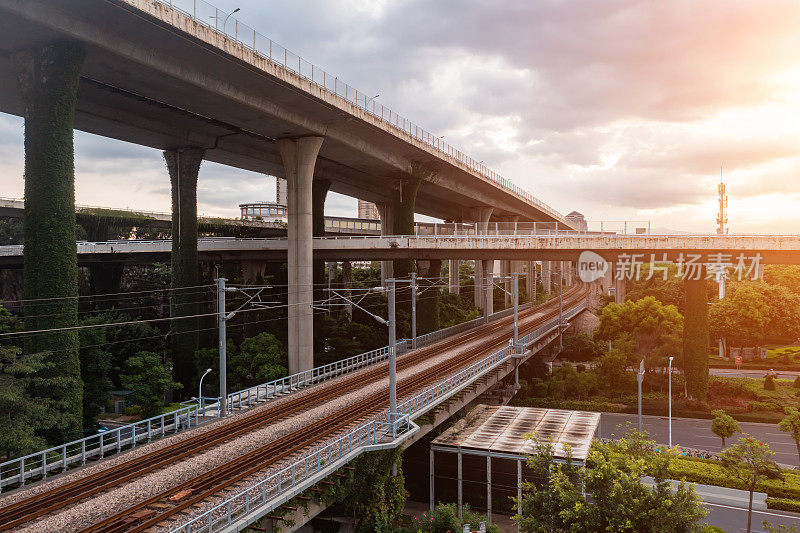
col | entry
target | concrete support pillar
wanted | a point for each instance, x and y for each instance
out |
(299, 157)
(333, 270)
(347, 280)
(531, 281)
(253, 272)
(453, 280)
(49, 79)
(505, 271)
(481, 216)
(608, 278)
(386, 214)
(547, 278)
(619, 288)
(184, 167)
(488, 273)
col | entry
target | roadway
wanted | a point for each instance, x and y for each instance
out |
(734, 519)
(696, 433)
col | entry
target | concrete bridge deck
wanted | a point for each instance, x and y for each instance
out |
(640, 248)
(164, 74)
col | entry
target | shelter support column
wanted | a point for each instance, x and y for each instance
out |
(184, 167)
(460, 487)
(49, 78)
(431, 487)
(299, 158)
(488, 488)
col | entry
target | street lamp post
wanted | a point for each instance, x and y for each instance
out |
(639, 379)
(200, 389)
(229, 15)
(670, 402)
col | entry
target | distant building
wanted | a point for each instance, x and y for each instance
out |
(578, 220)
(367, 210)
(281, 191)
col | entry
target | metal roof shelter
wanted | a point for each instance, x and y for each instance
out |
(500, 432)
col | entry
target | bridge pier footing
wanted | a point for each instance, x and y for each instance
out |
(299, 158)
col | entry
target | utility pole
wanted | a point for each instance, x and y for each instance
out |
(223, 363)
(392, 323)
(515, 288)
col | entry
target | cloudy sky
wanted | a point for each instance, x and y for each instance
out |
(620, 109)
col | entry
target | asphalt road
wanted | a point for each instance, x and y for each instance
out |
(734, 520)
(696, 433)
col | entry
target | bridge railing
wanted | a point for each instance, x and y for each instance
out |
(59, 458)
(282, 386)
(284, 484)
(207, 16)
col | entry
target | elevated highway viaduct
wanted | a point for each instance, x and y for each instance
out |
(159, 73)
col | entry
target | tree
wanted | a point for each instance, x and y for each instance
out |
(654, 329)
(612, 372)
(259, 359)
(750, 461)
(723, 425)
(791, 424)
(769, 383)
(21, 417)
(608, 494)
(741, 317)
(149, 379)
(581, 347)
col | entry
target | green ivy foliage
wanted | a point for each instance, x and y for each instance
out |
(50, 88)
(696, 339)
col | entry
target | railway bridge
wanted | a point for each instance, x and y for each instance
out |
(285, 439)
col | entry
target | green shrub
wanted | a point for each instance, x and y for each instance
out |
(712, 473)
(769, 383)
(797, 382)
(765, 406)
(133, 410)
(784, 504)
(578, 405)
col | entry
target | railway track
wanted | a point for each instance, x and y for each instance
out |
(179, 498)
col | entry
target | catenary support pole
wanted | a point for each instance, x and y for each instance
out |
(390, 289)
(414, 310)
(223, 356)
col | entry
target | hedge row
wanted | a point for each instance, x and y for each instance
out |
(708, 473)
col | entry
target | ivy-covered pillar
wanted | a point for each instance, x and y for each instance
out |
(299, 159)
(49, 78)
(403, 208)
(696, 338)
(184, 166)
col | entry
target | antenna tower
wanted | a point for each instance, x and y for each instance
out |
(722, 216)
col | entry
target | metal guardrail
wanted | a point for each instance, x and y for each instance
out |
(202, 14)
(77, 452)
(281, 486)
